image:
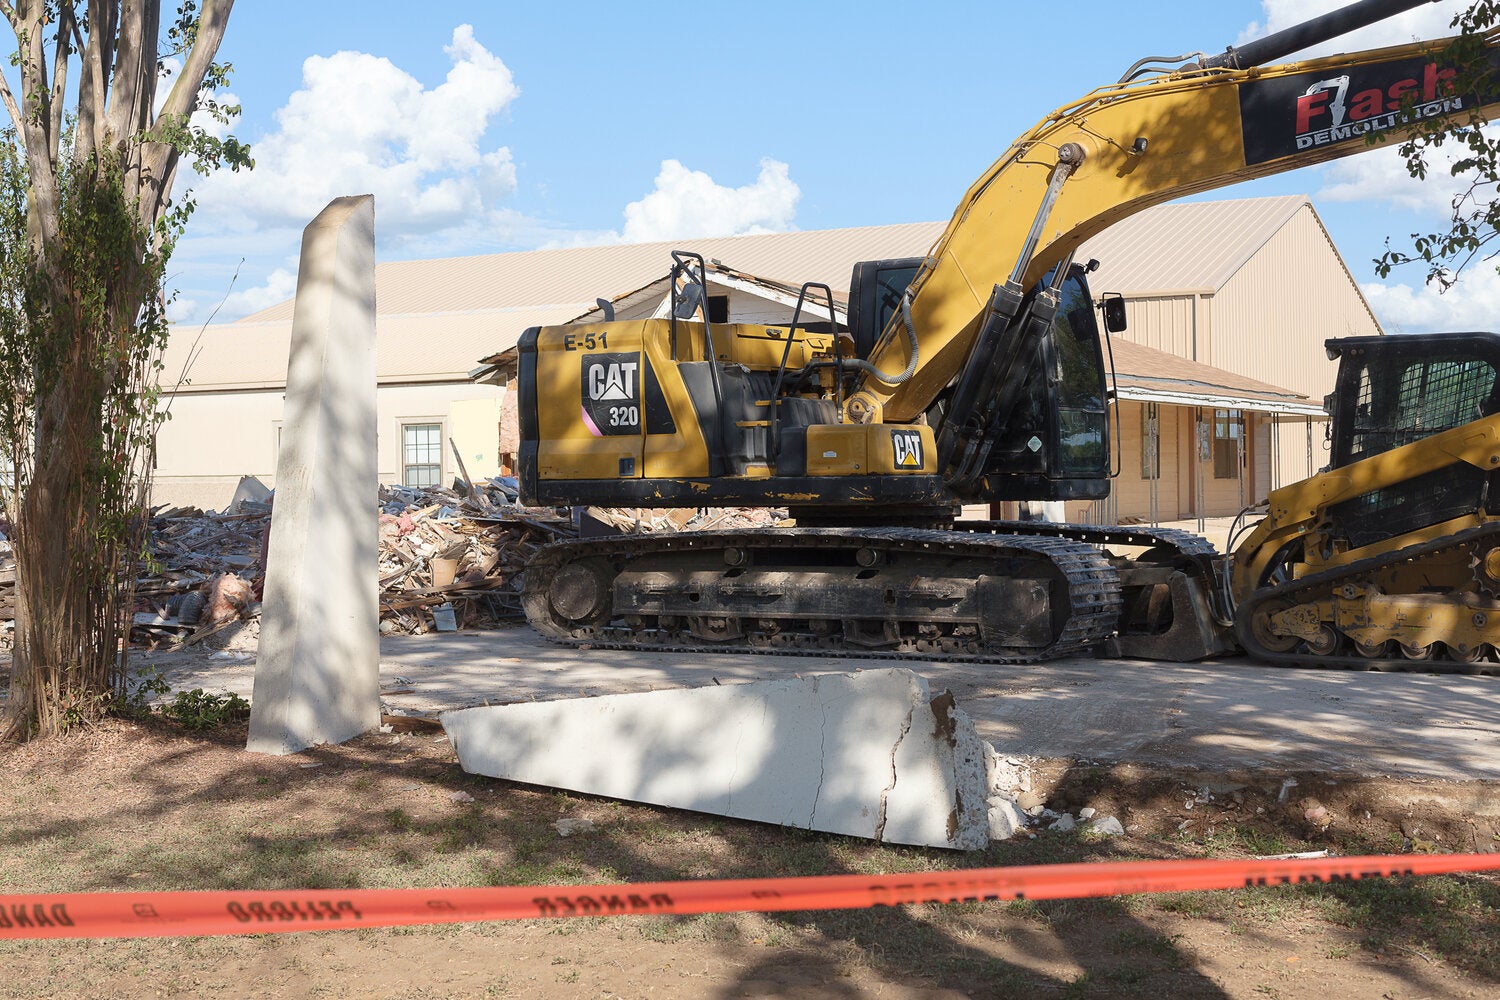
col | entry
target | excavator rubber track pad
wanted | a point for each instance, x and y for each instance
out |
(882, 592)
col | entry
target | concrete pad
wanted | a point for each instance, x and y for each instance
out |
(317, 679)
(869, 754)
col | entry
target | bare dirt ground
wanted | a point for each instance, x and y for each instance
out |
(147, 805)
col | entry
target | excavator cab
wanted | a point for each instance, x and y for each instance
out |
(1040, 423)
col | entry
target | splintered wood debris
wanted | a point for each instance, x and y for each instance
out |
(448, 558)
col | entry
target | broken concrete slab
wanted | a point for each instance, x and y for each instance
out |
(869, 754)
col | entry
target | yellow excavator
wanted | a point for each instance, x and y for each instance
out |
(973, 374)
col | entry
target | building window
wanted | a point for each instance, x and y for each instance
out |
(718, 309)
(1150, 442)
(421, 454)
(1229, 430)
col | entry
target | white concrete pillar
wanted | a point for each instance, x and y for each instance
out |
(317, 677)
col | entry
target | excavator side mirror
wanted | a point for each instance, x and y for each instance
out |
(691, 298)
(1112, 305)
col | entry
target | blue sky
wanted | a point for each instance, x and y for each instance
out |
(507, 126)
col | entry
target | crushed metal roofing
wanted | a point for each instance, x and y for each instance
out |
(721, 274)
(436, 319)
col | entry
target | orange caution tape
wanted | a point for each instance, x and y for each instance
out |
(157, 914)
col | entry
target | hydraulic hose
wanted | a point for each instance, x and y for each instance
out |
(860, 364)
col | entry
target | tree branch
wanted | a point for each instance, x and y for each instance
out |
(93, 86)
(62, 54)
(34, 124)
(10, 102)
(212, 20)
(134, 40)
(159, 160)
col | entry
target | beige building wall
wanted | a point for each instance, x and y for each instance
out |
(208, 426)
(1131, 489)
(1166, 322)
(1185, 475)
(1271, 318)
(203, 429)
(1300, 449)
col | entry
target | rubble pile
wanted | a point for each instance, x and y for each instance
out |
(449, 558)
(453, 560)
(199, 560)
(642, 520)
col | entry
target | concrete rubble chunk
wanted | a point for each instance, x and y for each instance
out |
(869, 754)
(1109, 826)
(1006, 818)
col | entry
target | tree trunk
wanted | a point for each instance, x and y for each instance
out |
(83, 326)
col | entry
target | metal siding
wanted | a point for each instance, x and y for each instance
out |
(1164, 323)
(1271, 318)
(1185, 246)
(1292, 460)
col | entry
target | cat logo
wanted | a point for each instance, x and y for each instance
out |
(908, 447)
(612, 381)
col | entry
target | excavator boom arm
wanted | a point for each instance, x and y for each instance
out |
(1125, 148)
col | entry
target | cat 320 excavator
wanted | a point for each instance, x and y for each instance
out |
(973, 374)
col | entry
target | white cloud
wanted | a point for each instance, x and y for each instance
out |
(1381, 175)
(1471, 304)
(689, 203)
(359, 124)
(280, 285)
(170, 67)
(1429, 20)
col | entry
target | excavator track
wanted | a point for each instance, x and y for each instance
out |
(1308, 597)
(872, 592)
(1173, 604)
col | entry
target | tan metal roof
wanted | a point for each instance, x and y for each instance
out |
(581, 274)
(409, 348)
(1144, 373)
(437, 318)
(1186, 246)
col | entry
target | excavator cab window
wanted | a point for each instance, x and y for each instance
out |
(1054, 442)
(1080, 387)
(875, 291)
